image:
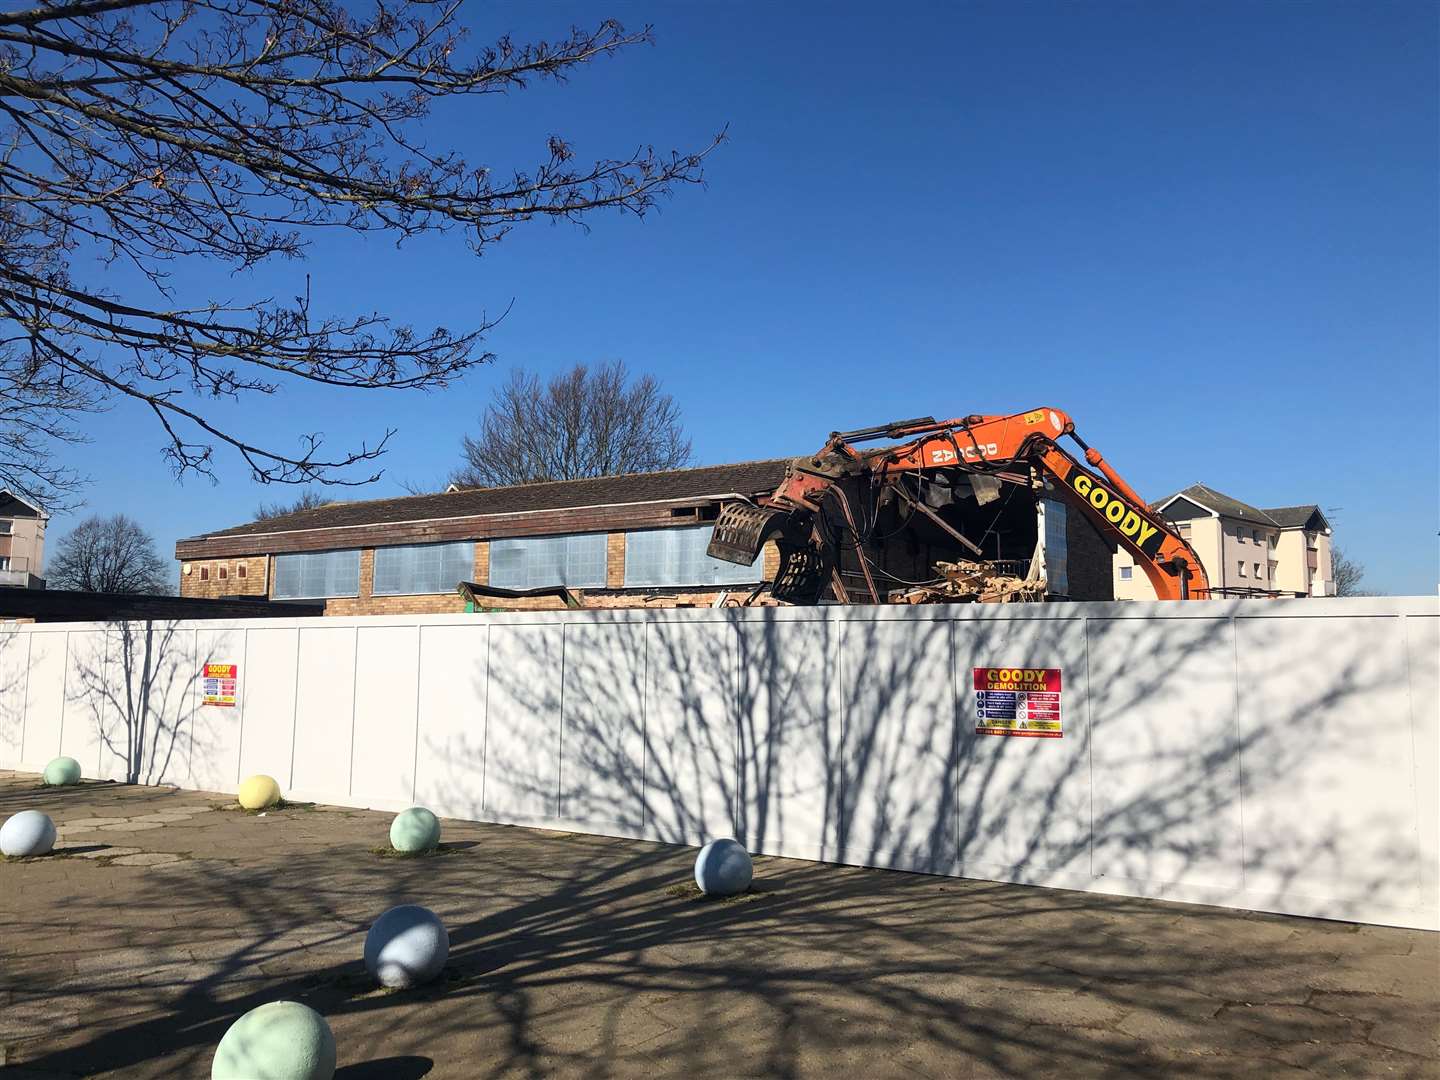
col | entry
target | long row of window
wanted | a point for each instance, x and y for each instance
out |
(654, 558)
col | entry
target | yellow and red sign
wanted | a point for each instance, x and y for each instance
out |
(1018, 701)
(220, 682)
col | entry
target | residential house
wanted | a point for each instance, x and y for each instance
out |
(1245, 550)
(22, 542)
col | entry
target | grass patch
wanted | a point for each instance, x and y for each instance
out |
(283, 804)
(388, 852)
(691, 892)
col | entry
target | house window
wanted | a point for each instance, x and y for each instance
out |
(204, 573)
(4, 562)
(423, 568)
(240, 570)
(315, 575)
(6, 525)
(1184, 531)
(223, 573)
(669, 557)
(1257, 571)
(1241, 568)
(1126, 572)
(1271, 568)
(1255, 534)
(534, 562)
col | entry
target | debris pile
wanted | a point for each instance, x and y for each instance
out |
(965, 581)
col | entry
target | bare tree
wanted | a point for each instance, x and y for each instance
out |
(109, 555)
(584, 422)
(146, 132)
(1349, 573)
(306, 500)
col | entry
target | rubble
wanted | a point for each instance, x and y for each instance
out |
(965, 581)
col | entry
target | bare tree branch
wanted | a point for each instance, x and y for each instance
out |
(147, 132)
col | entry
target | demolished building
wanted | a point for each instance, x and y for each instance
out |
(637, 541)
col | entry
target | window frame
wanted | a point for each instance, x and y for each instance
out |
(275, 582)
(498, 547)
(375, 590)
(702, 531)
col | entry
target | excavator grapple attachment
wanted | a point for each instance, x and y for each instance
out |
(805, 571)
(741, 531)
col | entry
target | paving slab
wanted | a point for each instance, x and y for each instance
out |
(576, 956)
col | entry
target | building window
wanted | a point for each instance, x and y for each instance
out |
(1240, 568)
(1126, 572)
(671, 557)
(204, 573)
(4, 562)
(1184, 531)
(422, 568)
(1258, 574)
(533, 562)
(223, 574)
(1255, 533)
(315, 575)
(240, 570)
(6, 525)
(1271, 568)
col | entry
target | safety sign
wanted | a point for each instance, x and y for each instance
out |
(220, 680)
(1018, 701)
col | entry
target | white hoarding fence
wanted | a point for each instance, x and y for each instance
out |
(1280, 756)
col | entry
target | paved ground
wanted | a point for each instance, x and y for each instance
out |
(165, 918)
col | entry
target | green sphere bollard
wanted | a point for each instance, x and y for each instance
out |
(416, 829)
(282, 1040)
(62, 772)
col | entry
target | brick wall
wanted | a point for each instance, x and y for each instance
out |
(205, 578)
(614, 595)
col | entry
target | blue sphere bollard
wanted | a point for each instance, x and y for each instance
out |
(281, 1040)
(723, 868)
(407, 946)
(27, 833)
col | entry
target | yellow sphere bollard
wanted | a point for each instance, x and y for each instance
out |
(259, 792)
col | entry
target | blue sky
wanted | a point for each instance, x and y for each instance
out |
(1207, 231)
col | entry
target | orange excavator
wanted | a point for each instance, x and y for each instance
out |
(988, 449)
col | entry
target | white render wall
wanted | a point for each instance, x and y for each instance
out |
(1273, 755)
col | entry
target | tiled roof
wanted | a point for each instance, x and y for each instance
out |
(1294, 517)
(1222, 504)
(746, 478)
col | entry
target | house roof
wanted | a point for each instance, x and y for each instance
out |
(7, 496)
(1295, 517)
(708, 482)
(1219, 503)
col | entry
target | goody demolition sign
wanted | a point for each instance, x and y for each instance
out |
(220, 682)
(1024, 702)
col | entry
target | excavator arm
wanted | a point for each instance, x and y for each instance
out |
(978, 445)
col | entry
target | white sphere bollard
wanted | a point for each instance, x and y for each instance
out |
(407, 946)
(723, 868)
(281, 1040)
(27, 833)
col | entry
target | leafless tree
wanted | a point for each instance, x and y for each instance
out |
(584, 422)
(109, 555)
(306, 500)
(1349, 574)
(147, 132)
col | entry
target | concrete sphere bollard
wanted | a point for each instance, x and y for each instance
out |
(259, 792)
(27, 833)
(407, 946)
(723, 868)
(416, 829)
(62, 772)
(281, 1040)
